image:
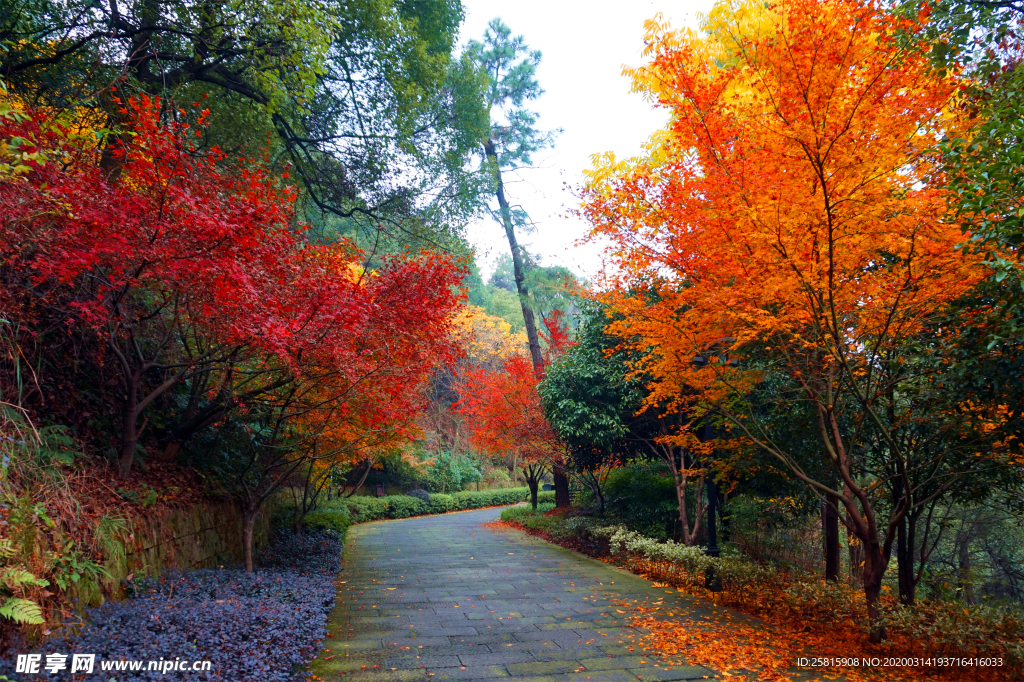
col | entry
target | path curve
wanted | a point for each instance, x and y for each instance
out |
(444, 598)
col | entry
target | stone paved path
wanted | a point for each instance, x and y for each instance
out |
(443, 598)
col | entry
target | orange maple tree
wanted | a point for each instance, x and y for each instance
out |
(793, 206)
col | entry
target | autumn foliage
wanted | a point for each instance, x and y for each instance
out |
(794, 208)
(178, 271)
(503, 410)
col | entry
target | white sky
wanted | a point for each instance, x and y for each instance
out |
(584, 46)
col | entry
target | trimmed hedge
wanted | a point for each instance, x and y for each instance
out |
(338, 515)
(330, 518)
(361, 509)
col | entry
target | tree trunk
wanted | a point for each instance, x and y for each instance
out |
(725, 531)
(684, 520)
(561, 486)
(905, 561)
(679, 477)
(964, 579)
(830, 533)
(297, 517)
(874, 569)
(136, 399)
(188, 427)
(129, 442)
(593, 481)
(856, 552)
(249, 514)
(129, 423)
(518, 265)
(362, 479)
(532, 480)
(112, 155)
(311, 488)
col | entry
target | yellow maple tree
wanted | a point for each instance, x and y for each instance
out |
(485, 339)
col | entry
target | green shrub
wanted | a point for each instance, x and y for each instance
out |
(338, 515)
(332, 518)
(689, 565)
(521, 514)
(642, 496)
(440, 504)
(364, 508)
(403, 506)
(556, 526)
(951, 629)
(472, 499)
(451, 471)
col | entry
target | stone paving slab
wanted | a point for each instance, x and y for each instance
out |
(443, 598)
(473, 604)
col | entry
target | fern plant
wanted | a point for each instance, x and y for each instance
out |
(70, 566)
(111, 532)
(13, 581)
(32, 459)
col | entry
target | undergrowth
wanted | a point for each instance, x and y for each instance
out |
(61, 525)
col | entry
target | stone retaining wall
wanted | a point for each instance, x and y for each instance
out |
(206, 535)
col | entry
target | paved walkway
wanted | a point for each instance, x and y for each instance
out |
(443, 598)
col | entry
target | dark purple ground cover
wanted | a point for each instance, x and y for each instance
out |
(260, 626)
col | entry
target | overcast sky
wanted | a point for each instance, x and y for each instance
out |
(584, 46)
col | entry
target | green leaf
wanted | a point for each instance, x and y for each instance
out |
(16, 577)
(22, 611)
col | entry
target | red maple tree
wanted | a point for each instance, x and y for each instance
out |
(187, 265)
(504, 412)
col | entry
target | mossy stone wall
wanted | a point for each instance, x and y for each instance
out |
(206, 535)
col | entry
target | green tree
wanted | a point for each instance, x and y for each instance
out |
(511, 140)
(505, 304)
(368, 105)
(452, 471)
(595, 404)
(980, 38)
(504, 276)
(550, 287)
(978, 364)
